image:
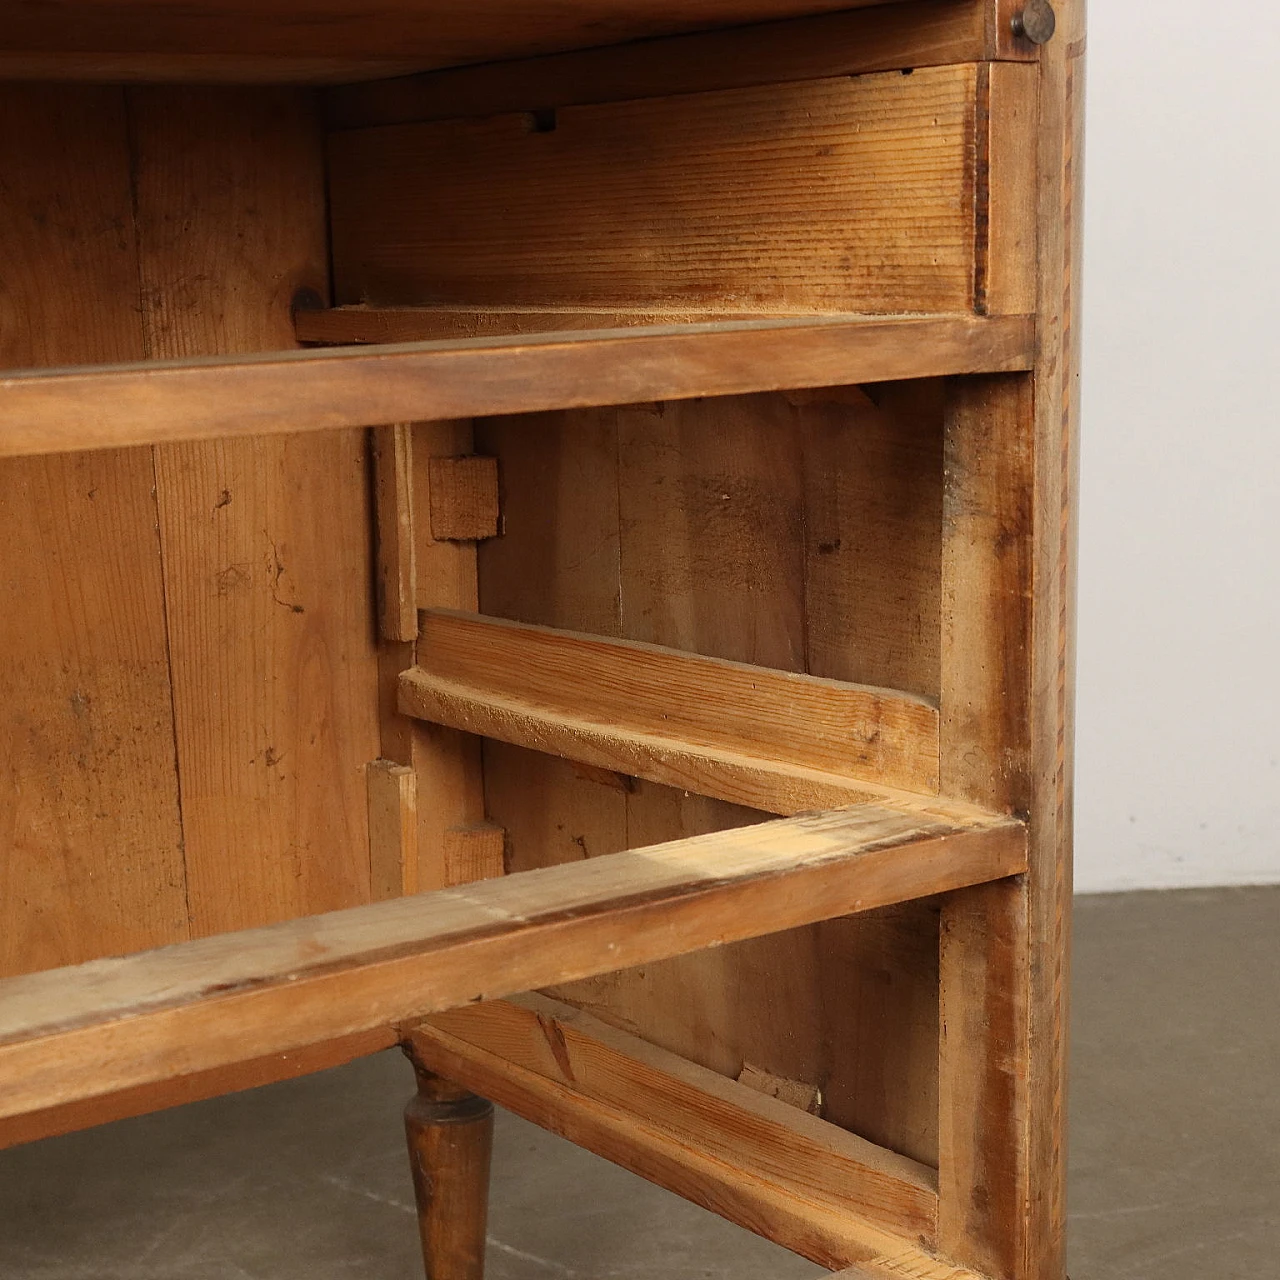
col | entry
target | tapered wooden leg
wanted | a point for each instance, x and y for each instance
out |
(450, 1134)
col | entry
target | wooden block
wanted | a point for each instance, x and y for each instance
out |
(795, 1093)
(464, 498)
(397, 580)
(393, 829)
(473, 853)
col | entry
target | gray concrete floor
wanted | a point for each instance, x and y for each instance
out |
(1175, 1133)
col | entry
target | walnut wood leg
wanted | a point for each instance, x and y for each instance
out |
(450, 1135)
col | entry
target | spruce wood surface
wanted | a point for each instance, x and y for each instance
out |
(856, 193)
(785, 718)
(204, 398)
(110, 1025)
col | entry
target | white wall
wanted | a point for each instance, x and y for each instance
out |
(1179, 663)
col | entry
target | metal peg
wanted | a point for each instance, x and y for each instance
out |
(1035, 21)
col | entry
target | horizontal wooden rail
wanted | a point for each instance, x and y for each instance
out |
(47, 411)
(108, 1025)
(877, 736)
(719, 1143)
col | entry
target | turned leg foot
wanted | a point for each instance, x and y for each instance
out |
(450, 1134)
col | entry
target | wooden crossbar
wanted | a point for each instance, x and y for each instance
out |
(514, 681)
(711, 1139)
(113, 1024)
(47, 411)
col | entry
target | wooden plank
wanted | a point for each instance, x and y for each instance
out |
(163, 401)
(441, 33)
(1005, 254)
(179, 1090)
(393, 829)
(1052, 738)
(875, 735)
(198, 68)
(725, 775)
(986, 592)
(711, 509)
(1021, 532)
(265, 542)
(924, 34)
(873, 534)
(983, 1174)
(91, 853)
(529, 1042)
(396, 566)
(464, 498)
(660, 201)
(357, 325)
(114, 1024)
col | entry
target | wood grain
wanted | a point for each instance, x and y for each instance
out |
(1056, 424)
(115, 1024)
(1005, 253)
(393, 829)
(322, 390)
(357, 325)
(177, 1090)
(873, 534)
(876, 735)
(441, 33)
(396, 565)
(464, 498)
(239, 69)
(983, 1174)
(986, 598)
(660, 201)
(751, 1136)
(266, 542)
(923, 34)
(91, 852)
(706, 553)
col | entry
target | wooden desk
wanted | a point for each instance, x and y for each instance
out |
(562, 563)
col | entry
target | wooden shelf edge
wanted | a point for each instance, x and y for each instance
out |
(59, 410)
(109, 1025)
(719, 1142)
